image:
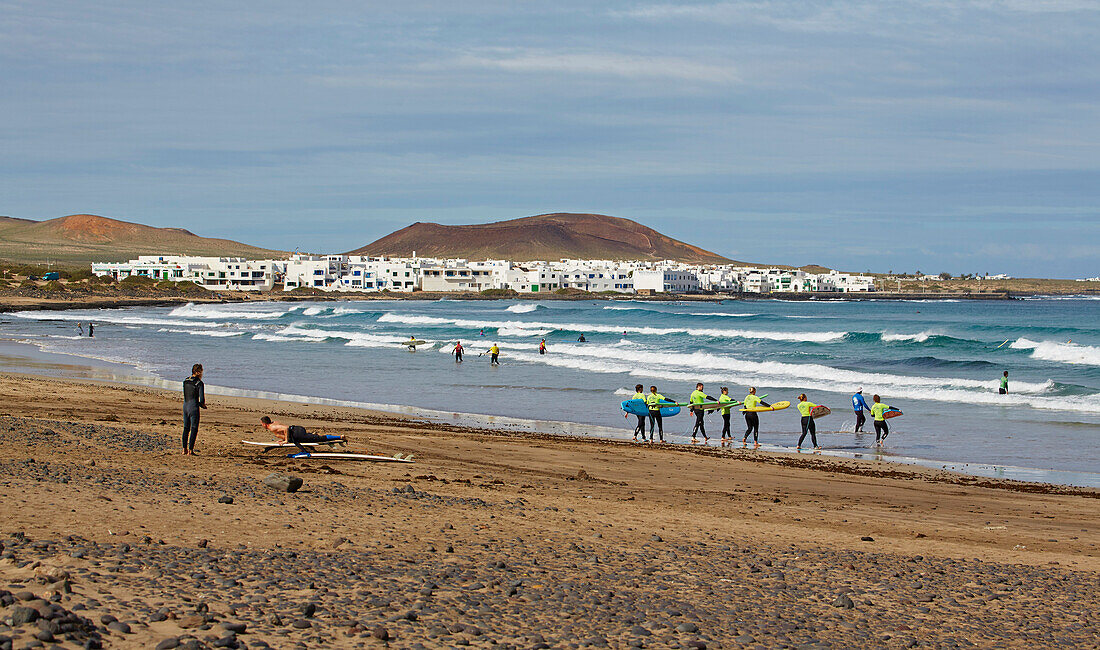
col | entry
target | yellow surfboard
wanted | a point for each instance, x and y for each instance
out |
(777, 406)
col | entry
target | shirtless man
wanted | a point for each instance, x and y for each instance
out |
(296, 434)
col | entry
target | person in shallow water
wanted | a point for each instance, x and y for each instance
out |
(640, 427)
(494, 354)
(653, 401)
(699, 397)
(296, 434)
(1003, 390)
(194, 398)
(858, 405)
(882, 429)
(542, 346)
(457, 352)
(752, 420)
(808, 426)
(725, 398)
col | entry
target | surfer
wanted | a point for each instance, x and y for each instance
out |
(859, 404)
(494, 354)
(296, 434)
(457, 352)
(542, 346)
(80, 328)
(91, 331)
(582, 339)
(194, 398)
(882, 429)
(640, 427)
(1003, 390)
(412, 344)
(699, 397)
(752, 420)
(725, 398)
(653, 401)
(808, 425)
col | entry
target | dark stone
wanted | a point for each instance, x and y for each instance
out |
(308, 610)
(23, 615)
(843, 601)
(168, 644)
(225, 499)
(688, 627)
(381, 633)
(237, 628)
(119, 626)
(283, 483)
(302, 624)
(866, 538)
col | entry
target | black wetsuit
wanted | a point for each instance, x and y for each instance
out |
(726, 425)
(808, 426)
(194, 398)
(655, 417)
(458, 354)
(297, 435)
(881, 430)
(91, 329)
(640, 428)
(861, 419)
(752, 425)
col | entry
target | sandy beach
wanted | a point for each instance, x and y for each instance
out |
(495, 539)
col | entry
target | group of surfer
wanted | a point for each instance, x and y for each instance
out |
(700, 404)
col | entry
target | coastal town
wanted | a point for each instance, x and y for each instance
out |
(351, 273)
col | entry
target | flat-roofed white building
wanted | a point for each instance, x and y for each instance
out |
(229, 273)
(665, 280)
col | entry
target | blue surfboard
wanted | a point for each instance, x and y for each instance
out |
(638, 407)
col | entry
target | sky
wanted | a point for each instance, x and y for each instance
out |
(943, 135)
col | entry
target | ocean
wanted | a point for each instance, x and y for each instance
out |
(938, 361)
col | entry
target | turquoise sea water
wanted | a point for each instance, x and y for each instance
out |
(937, 361)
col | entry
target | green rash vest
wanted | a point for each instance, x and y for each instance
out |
(751, 401)
(722, 399)
(697, 397)
(877, 409)
(804, 408)
(640, 396)
(1004, 383)
(653, 399)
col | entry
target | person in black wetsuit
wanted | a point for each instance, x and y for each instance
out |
(194, 398)
(458, 351)
(297, 434)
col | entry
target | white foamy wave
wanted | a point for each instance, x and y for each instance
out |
(915, 338)
(223, 312)
(354, 339)
(715, 313)
(624, 391)
(313, 311)
(116, 316)
(521, 331)
(225, 333)
(805, 377)
(815, 337)
(524, 308)
(279, 338)
(1059, 352)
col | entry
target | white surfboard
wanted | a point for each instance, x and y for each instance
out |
(366, 457)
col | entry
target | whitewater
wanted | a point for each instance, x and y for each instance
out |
(937, 361)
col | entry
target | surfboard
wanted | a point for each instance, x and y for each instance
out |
(275, 444)
(891, 413)
(639, 407)
(776, 406)
(339, 456)
(819, 411)
(413, 343)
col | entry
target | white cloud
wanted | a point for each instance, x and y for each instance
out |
(601, 64)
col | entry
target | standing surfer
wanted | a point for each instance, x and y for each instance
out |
(494, 354)
(858, 405)
(699, 397)
(808, 426)
(752, 420)
(194, 398)
(725, 398)
(457, 352)
(640, 427)
(881, 427)
(1004, 384)
(653, 401)
(542, 346)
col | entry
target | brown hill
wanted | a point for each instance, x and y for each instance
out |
(86, 238)
(542, 237)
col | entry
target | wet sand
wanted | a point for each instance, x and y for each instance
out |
(502, 539)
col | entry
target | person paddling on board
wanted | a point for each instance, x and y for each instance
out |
(653, 401)
(640, 427)
(858, 405)
(581, 339)
(808, 426)
(542, 346)
(882, 429)
(752, 420)
(725, 398)
(194, 398)
(296, 434)
(494, 354)
(1003, 390)
(457, 352)
(699, 397)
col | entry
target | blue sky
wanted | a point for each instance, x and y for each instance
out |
(946, 135)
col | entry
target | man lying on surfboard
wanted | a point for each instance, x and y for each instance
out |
(296, 434)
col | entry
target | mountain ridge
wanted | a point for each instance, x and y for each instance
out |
(549, 236)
